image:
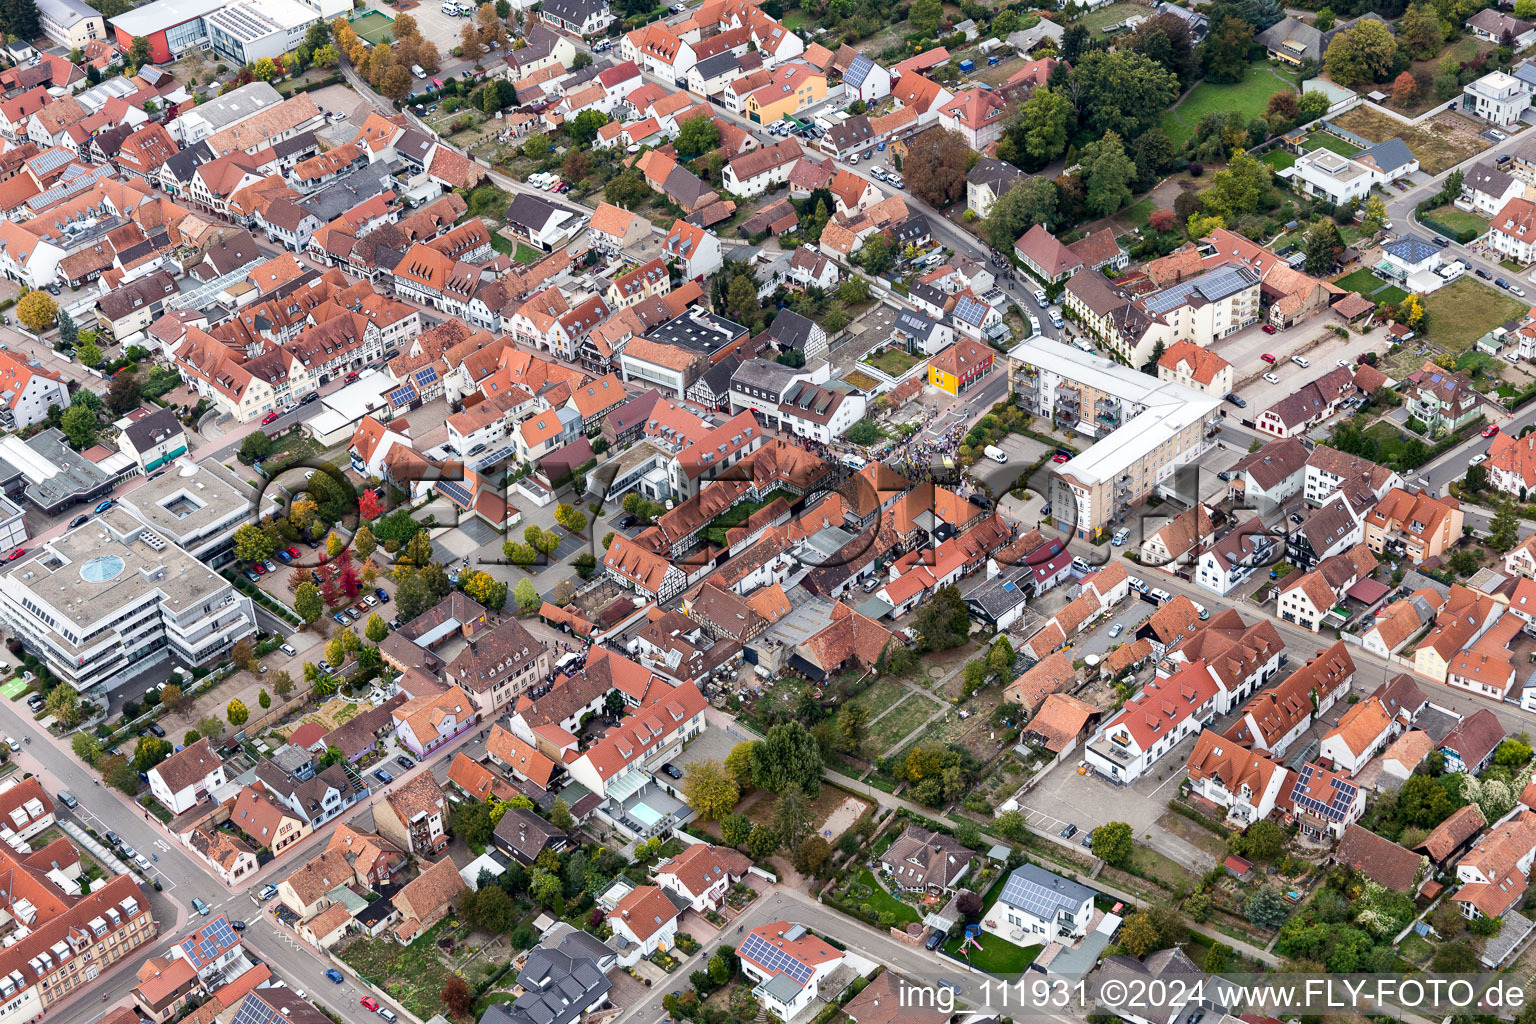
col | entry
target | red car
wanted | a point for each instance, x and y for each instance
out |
(369, 1002)
(1268, 358)
(1058, 457)
(1490, 430)
(270, 417)
(261, 570)
(1268, 328)
(351, 377)
(293, 552)
(16, 554)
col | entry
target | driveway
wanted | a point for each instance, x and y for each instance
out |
(1324, 350)
(1021, 451)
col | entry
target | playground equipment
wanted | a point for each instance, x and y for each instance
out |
(971, 931)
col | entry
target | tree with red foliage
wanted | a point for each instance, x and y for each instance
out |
(330, 594)
(369, 506)
(1162, 220)
(347, 576)
(458, 996)
(1404, 90)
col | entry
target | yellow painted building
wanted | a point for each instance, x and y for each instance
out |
(792, 88)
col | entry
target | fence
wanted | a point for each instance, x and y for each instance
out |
(1345, 134)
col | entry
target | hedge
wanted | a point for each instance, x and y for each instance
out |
(1462, 237)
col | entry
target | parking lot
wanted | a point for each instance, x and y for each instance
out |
(1325, 355)
(1022, 453)
(440, 29)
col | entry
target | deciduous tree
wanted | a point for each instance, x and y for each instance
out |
(935, 166)
(237, 713)
(37, 311)
(709, 789)
(1360, 54)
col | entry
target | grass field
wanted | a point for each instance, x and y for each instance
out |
(1391, 295)
(882, 695)
(1097, 21)
(900, 722)
(738, 514)
(893, 361)
(1465, 310)
(1323, 140)
(996, 955)
(883, 902)
(1248, 97)
(374, 27)
(1460, 220)
(1362, 281)
(797, 20)
(1279, 159)
(414, 974)
(1435, 146)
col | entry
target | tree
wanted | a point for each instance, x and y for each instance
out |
(735, 828)
(79, 425)
(696, 136)
(582, 128)
(526, 596)
(63, 703)
(1165, 39)
(1362, 53)
(738, 762)
(875, 257)
(1112, 843)
(935, 165)
(568, 517)
(242, 654)
(484, 588)
(924, 17)
(87, 748)
(1030, 202)
(1224, 55)
(89, 352)
(1138, 935)
(1421, 33)
(307, 602)
(68, 333)
(1121, 92)
(491, 909)
(456, 994)
(124, 392)
(1321, 244)
(397, 82)
(237, 713)
(787, 757)
(709, 789)
(139, 52)
(853, 726)
(171, 697)
(253, 544)
(1375, 215)
(1109, 173)
(1504, 529)
(264, 699)
(1282, 111)
(811, 855)
(1043, 124)
(1411, 312)
(469, 43)
(1404, 90)
(1265, 907)
(762, 841)
(118, 773)
(265, 69)
(1324, 19)
(1239, 189)
(544, 887)
(255, 447)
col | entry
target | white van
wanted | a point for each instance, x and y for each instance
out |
(416, 69)
(1162, 596)
(1056, 320)
(1121, 536)
(1040, 298)
(995, 453)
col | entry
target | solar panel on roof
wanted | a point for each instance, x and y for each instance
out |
(426, 375)
(402, 395)
(771, 958)
(969, 310)
(455, 492)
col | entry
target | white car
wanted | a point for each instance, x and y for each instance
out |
(1136, 584)
(1515, 289)
(877, 173)
(1300, 361)
(1479, 457)
(1040, 298)
(1272, 378)
(289, 650)
(1116, 630)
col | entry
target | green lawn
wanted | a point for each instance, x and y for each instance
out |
(797, 20)
(738, 514)
(1097, 21)
(1170, 872)
(1137, 213)
(1459, 220)
(893, 361)
(1248, 97)
(1392, 295)
(996, 955)
(1280, 159)
(1362, 281)
(899, 723)
(882, 902)
(1465, 310)
(1323, 140)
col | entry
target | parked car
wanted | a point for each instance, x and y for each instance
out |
(341, 618)
(1480, 272)
(250, 575)
(369, 1002)
(350, 378)
(1236, 399)
(78, 522)
(370, 600)
(36, 702)
(1480, 457)
(382, 594)
(1069, 831)
(284, 557)
(936, 940)
(1268, 328)
(1490, 430)
(289, 650)
(1088, 839)
(270, 417)
(1060, 458)
(626, 521)
(113, 839)
(1300, 361)
(1121, 536)
(1272, 378)
(1115, 630)
(67, 798)
(383, 776)
(15, 554)
(201, 907)
(1501, 283)
(157, 730)
(238, 926)
(405, 762)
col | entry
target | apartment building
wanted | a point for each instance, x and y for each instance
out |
(1145, 429)
(100, 601)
